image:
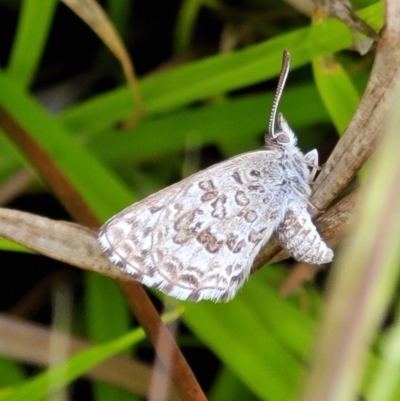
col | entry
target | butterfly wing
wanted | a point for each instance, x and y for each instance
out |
(198, 239)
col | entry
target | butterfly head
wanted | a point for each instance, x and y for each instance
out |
(283, 137)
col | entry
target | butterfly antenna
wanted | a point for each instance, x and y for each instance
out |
(281, 83)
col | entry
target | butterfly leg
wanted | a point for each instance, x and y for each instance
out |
(311, 159)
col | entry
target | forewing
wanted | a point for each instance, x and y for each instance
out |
(197, 239)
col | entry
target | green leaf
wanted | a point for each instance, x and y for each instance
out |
(33, 28)
(249, 342)
(217, 74)
(336, 89)
(85, 172)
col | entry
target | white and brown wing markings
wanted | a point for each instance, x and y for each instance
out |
(197, 240)
(127, 236)
(218, 233)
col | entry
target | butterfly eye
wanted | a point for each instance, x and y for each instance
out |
(283, 138)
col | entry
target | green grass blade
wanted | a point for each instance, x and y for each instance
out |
(244, 340)
(228, 387)
(236, 121)
(7, 245)
(103, 299)
(363, 278)
(217, 74)
(11, 373)
(87, 174)
(336, 89)
(385, 386)
(77, 365)
(33, 28)
(186, 21)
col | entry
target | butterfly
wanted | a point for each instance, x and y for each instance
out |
(197, 239)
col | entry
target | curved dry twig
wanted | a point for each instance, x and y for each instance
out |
(353, 149)
(359, 297)
(365, 129)
(77, 245)
(355, 146)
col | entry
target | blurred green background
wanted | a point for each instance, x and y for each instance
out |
(207, 72)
